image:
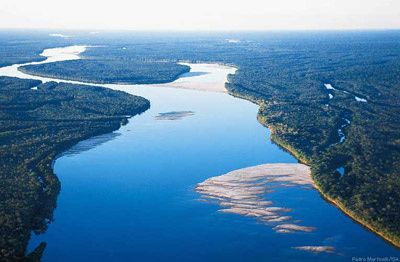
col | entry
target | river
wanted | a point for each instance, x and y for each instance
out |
(131, 195)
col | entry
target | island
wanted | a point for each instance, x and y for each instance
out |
(173, 115)
(288, 79)
(110, 71)
(332, 102)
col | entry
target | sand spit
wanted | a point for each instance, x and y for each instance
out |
(317, 249)
(218, 87)
(212, 65)
(293, 227)
(213, 78)
(59, 35)
(244, 192)
(63, 53)
(174, 115)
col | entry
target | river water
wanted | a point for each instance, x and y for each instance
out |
(130, 195)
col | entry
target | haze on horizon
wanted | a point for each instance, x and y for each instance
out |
(201, 15)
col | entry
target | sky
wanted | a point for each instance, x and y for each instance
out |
(201, 15)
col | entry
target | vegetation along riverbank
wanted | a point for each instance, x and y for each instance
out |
(288, 75)
(38, 122)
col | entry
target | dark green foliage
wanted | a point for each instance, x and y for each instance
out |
(36, 255)
(289, 87)
(285, 73)
(35, 126)
(19, 46)
(121, 71)
(14, 54)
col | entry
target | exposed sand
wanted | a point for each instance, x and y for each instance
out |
(59, 35)
(62, 53)
(294, 227)
(174, 115)
(244, 192)
(213, 78)
(212, 65)
(235, 41)
(203, 86)
(317, 249)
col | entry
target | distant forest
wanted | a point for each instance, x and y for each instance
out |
(22, 47)
(110, 71)
(285, 73)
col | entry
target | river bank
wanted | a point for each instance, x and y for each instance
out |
(303, 159)
(153, 163)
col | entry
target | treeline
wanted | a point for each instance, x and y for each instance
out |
(285, 73)
(35, 126)
(17, 47)
(294, 102)
(111, 71)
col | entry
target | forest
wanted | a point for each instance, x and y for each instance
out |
(24, 46)
(35, 126)
(110, 71)
(285, 73)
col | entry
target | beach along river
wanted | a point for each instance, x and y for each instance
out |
(171, 186)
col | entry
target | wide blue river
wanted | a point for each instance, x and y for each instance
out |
(130, 195)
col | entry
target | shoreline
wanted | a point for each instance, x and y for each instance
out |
(344, 210)
(86, 82)
(331, 201)
(282, 145)
(350, 214)
(66, 146)
(43, 164)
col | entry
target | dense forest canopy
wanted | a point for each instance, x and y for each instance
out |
(35, 126)
(110, 71)
(285, 73)
(24, 46)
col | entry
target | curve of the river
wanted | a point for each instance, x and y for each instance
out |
(132, 195)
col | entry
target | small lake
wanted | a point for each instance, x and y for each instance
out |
(130, 195)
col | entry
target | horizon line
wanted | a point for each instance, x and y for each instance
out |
(97, 30)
